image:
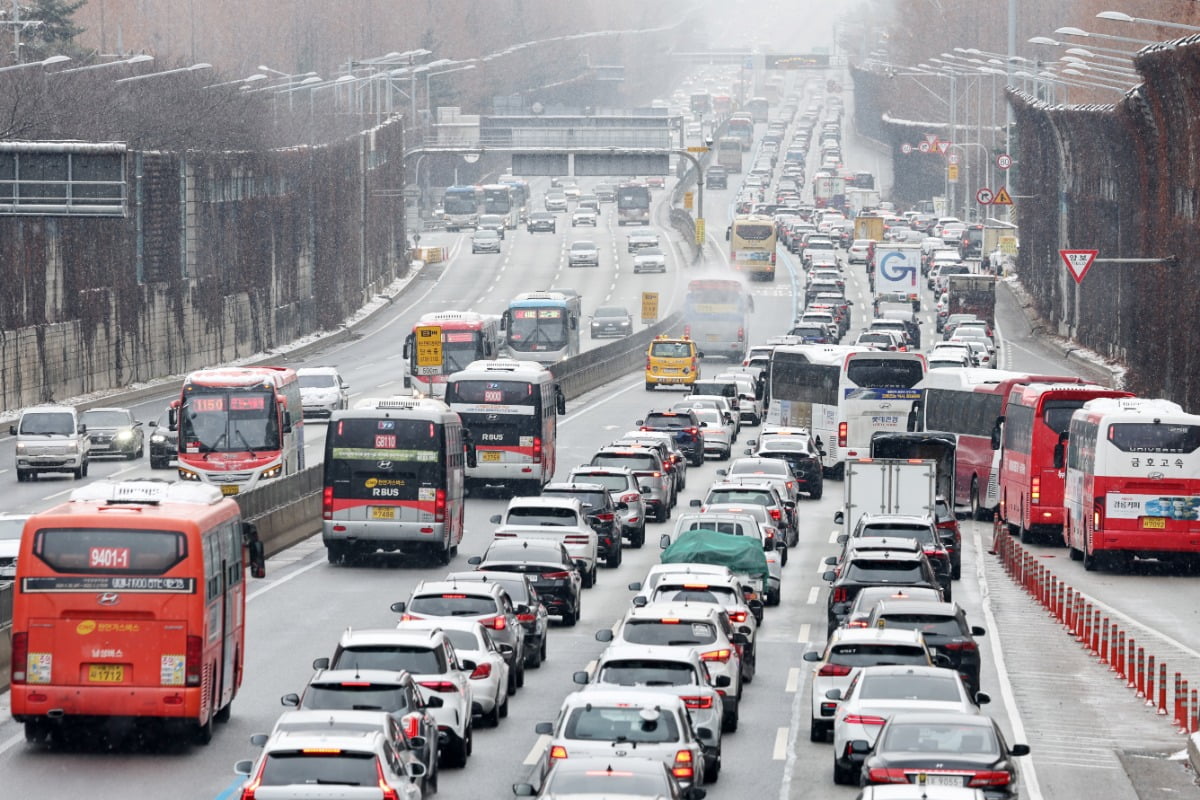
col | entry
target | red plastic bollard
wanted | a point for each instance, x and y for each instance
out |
(1095, 645)
(1119, 661)
(1180, 702)
(1104, 640)
(1194, 716)
(1162, 689)
(1131, 666)
(1148, 681)
(1141, 672)
(1087, 624)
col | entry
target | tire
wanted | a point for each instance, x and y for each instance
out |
(978, 512)
(697, 460)
(492, 718)
(521, 674)
(336, 552)
(158, 463)
(202, 733)
(533, 659)
(511, 687)
(459, 751)
(503, 710)
(1091, 561)
(22, 477)
(589, 578)
(638, 537)
(225, 713)
(729, 720)
(614, 554)
(569, 620)
(956, 570)
(649, 386)
(818, 730)
(841, 775)
(816, 493)
(79, 472)
(1075, 553)
(86, 464)
(773, 598)
(444, 555)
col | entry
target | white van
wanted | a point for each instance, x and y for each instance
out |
(50, 438)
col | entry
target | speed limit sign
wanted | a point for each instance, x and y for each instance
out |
(984, 196)
(906, 148)
(1004, 161)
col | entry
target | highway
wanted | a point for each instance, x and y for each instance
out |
(1045, 691)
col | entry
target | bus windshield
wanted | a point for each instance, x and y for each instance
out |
(537, 329)
(460, 348)
(459, 202)
(221, 421)
(798, 379)
(383, 458)
(633, 197)
(497, 200)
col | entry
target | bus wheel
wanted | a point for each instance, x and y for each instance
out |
(649, 386)
(225, 713)
(203, 732)
(976, 508)
(336, 552)
(35, 731)
(444, 555)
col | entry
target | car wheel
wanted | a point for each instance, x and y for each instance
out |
(818, 730)
(533, 659)
(158, 463)
(729, 720)
(773, 597)
(79, 472)
(649, 386)
(614, 554)
(842, 775)
(336, 552)
(638, 537)
(511, 686)
(503, 709)
(589, 578)
(521, 674)
(571, 617)
(816, 493)
(492, 718)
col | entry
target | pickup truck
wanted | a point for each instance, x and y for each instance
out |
(560, 519)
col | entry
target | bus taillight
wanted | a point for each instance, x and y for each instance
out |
(537, 449)
(327, 503)
(194, 658)
(20, 656)
(1035, 491)
(687, 331)
(439, 506)
(842, 434)
(741, 334)
(1097, 517)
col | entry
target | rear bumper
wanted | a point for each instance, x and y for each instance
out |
(82, 703)
(381, 533)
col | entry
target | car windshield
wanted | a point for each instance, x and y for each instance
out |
(103, 418)
(355, 696)
(757, 497)
(938, 688)
(623, 724)
(634, 461)
(647, 672)
(692, 593)
(935, 738)
(336, 767)
(611, 311)
(417, 660)
(452, 604)
(669, 632)
(54, 423)
(318, 381)
(874, 655)
(922, 533)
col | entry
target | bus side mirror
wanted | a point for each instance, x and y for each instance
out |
(996, 433)
(574, 323)
(254, 547)
(472, 461)
(408, 344)
(287, 421)
(560, 400)
(172, 419)
(504, 321)
(1060, 450)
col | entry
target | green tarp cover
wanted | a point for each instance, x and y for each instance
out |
(741, 554)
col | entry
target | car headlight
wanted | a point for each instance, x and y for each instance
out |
(71, 447)
(188, 475)
(158, 438)
(123, 436)
(21, 447)
(273, 472)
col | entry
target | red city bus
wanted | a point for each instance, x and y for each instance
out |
(967, 403)
(466, 336)
(130, 603)
(1133, 482)
(239, 426)
(1031, 487)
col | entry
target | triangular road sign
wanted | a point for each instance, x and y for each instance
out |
(1002, 198)
(943, 147)
(931, 138)
(1078, 262)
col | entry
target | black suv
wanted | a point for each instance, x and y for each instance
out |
(874, 568)
(684, 426)
(601, 513)
(944, 627)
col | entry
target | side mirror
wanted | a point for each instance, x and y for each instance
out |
(560, 401)
(523, 608)
(756, 607)
(398, 607)
(664, 542)
(467, 665)
(475, 561)
(781, 546)
(580, 565)
(996, 436)
(604, 635)
(259, 739)
(704, 733)
(320, 663)
(942, 660)
(740, 638)
(290, 700)
(982, 698)
(433, 701)
(622, 506)
(636, 586)
(414, 769)
(12, 431)
(494, 519)
(860, 747)
(544, 728)
(829, 576)
(1019, 750)
(417, 742)
(256, 556)
(812, 655)
(722, 472)
(694, 793)
(695, 502)
(841, 539)
(471, 458)
(839, 517)
(505, 648)
(640, 601)
(246, 767)
(977, 630)
(524, 790)
(580, 677)
(833, 694)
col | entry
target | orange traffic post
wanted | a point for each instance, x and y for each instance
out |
(1162, 689)
(1194, 716)
(1181, 714)
(1131, 667)
(1141, 671)
(1148, 681)
(1104, 640)
(1119, 659)
(1094, 643)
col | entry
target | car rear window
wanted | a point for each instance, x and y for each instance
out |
(677, 633)
(686, 593)
(111, 551)
(452, 604)
(341, 768)
(536, 515)
(635, 461)
(729, 528)
(668, 421)
(625, 724)
(524, 551)
(417, 660)
(937, 624)
(739, 496)
(647, 672)
(874, 655)
(943, 688)
(590, 500)
(884, 570)
(671, 350)
(922, 533)
(355, 696)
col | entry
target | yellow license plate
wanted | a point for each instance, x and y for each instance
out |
(106, 673)
(1157, 523)
(228, 490)
(382, 512)
(491, 455)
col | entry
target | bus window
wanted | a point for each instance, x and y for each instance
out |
(93, 551)
(885, 374)
(1152, 437)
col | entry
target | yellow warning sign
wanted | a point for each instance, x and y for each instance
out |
(687, 200)
(1002, 198)
(700, 231)
(649, 307)
(952, 173)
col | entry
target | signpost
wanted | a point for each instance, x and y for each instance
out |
(1078, 262)
(649, 307)
(429, 349)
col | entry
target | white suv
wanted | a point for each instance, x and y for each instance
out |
(427, 654)
(50, 439)
(322, 391)
(558, 519)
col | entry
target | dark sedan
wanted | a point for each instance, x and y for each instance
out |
(163, 447)
(611, 321)
(944, 749)
(114, 432)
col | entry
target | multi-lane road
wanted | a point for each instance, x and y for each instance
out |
(1046, 691)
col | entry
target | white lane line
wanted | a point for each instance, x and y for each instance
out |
(587, 409)
(57, 494)
(1028, 773)
(293, 574)
(125, 469)
(821, 567)
(793, 680)
(3, 471)
(813, 593)
(385, 384)
(833, 536)
(535, 754)
(781, 744)
(805, 632)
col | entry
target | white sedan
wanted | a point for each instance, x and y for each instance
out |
(583, 216)
(650, 259)
(489, 679)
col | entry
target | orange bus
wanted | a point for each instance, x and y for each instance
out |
(130, 605)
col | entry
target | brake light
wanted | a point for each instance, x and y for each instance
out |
(558, 751)
(605, 517)
(440, 686)
(412, 725)
(692, 431)
(741, 334)
(481, 671)
(721, 655)
(775, 513)
(497, 623)
(840, 595)
(697, 702)
(556, 576)
(737, 616)
(647, 363)
(858, 623)
(389, 793)
(863, 719)
(630, 498)
(683, 764)
(526, 617)
(1098, 515)
(969, 647)
(193, 657)
(842, 434)
(886, 775)
(439, 506)
(252, 787)
(834, 670)
(1035, 491)
(537, 449)
(20, 656)
(990, 778)
(695, 365)
(327, 503)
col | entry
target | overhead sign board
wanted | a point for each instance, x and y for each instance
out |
(1078, 262)
(603, 164)
(532, 164)
(796, 61)
(429, 349)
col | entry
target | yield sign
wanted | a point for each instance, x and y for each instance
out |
(943, 147)
(931, 138)
(1078, 262)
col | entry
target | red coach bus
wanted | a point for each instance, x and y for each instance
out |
(130, 604)
(1133, 482)
(1031, 487)
(466, 336)
(968, 403)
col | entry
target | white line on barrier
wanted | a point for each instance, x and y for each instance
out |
(536, 753)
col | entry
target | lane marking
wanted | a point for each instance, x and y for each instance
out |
(805, 632)
(535, 754)
(793, 680)
(781, 744)
(293, 574)
(58, 494)
(813, 593)
(11, 743)
(125, 469)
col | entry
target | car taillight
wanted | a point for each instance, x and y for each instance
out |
(697, 702)
(741, 334)
(842, 434)
(537, 449)
(695, 366)
(530, 617)
(605, 517)
(497, 623)
(775, 513)
(389, 793)
(647, 363)
(886, 775)
(834, 670)
(990, 778)
(252, 787)
(968, 647)
(439, 506)
(556, 576)
(481, 671)
(721, 655)
(327, 503)
(20, 656)
(683, 765)
(1098, 515)
(194, 655)
(632, 497)
(558, 751)
(863, 719)
(858, 623)
(412, 725)
(840, 595)
(692, 431)
(737, 616)
(1035, 491)
(440, 686)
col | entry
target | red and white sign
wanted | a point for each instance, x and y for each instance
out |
(1078, 262)
(952, 158)
(931, 138)
(943, 147)
(924, 147)
(984, 196)
(1004, 161)
(906, 148)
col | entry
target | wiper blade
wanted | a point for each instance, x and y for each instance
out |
(209, 449)
(248, 447)
(361, 707)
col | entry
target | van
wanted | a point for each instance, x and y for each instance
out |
(50, 438)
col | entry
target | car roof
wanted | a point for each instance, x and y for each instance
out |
(544, 502)
(353, 740)
(621, 696)
(477, 588)
(669, 609)
(889, 544)
(407, 635)
(622, 650)
(570, 486)
(896, 519)
(331, 719)
(584, 469)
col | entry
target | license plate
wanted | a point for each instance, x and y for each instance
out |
(491, 455)
(943, 780)
(668, 371)
(1157, 523)
(383, 512)
(228, 490)
(106, 673)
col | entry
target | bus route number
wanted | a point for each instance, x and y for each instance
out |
(108, 558)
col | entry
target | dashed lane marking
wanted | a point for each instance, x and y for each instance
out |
(813, 593)
(805, 631)
(781, 744)
(793, 680)
(536, 753)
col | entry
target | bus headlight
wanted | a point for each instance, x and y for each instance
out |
(273, 472)
(188, 475)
